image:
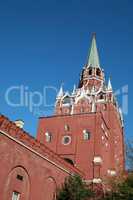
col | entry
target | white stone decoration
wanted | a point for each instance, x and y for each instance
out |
(106, 144)
(97, 180)
(93, 109)
(97, 160)
(106, 134)
(121, 117)
(109, 85)
(111, 172)
(60, 93)
(19, 123)
(82, 96)
(102, 137)
(72, 110)
(102, 126)
(74, 90)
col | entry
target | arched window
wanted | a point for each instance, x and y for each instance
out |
(86, 134)
(15, 195)
(101, 96)
(98, 72)
(48, 137)
(21, 188)
(90, 71)
(67, 100)
(69, 161)
(66, 127)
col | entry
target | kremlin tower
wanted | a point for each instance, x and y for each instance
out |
(85, 136)
(86, 129)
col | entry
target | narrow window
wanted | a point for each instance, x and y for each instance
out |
(101, 96)
(66, 127)
(19, 177)
(98, 72)
(69, 161)
(90, 71)
(15, 195)
(86, 135)
(67, 100)
(48, 137)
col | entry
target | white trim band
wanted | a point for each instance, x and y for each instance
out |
(35, 152)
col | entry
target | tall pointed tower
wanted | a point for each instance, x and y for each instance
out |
(91, 88)
(87, 127)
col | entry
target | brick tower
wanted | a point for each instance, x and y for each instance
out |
(87, 127)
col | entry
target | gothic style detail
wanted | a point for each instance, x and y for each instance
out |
(92, 91)
(96, 123)
(109, 85)
(85, 136)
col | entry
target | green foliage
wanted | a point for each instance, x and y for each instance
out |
(74, 189)
(122, 191)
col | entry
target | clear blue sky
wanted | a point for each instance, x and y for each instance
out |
(46, 43)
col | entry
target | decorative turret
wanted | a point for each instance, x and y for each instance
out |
(109, 85)
(74, 90)
(60, 93)
(92, 93)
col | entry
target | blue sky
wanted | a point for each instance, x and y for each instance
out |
(45, 43)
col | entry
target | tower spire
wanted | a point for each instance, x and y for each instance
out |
(93, 57)
(61, 92)
(109, 84)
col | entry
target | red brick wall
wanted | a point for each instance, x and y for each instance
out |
(80, 151)
(39, 176)
(41, 169)
(103, 126)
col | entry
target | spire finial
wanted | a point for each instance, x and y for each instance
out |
(93, 58)
(60, 93)
(74, 89)
(94, 34)
(109, 84)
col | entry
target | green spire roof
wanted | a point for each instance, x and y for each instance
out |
(93, 58)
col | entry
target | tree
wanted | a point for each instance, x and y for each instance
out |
(74, 189)
(122, 190)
